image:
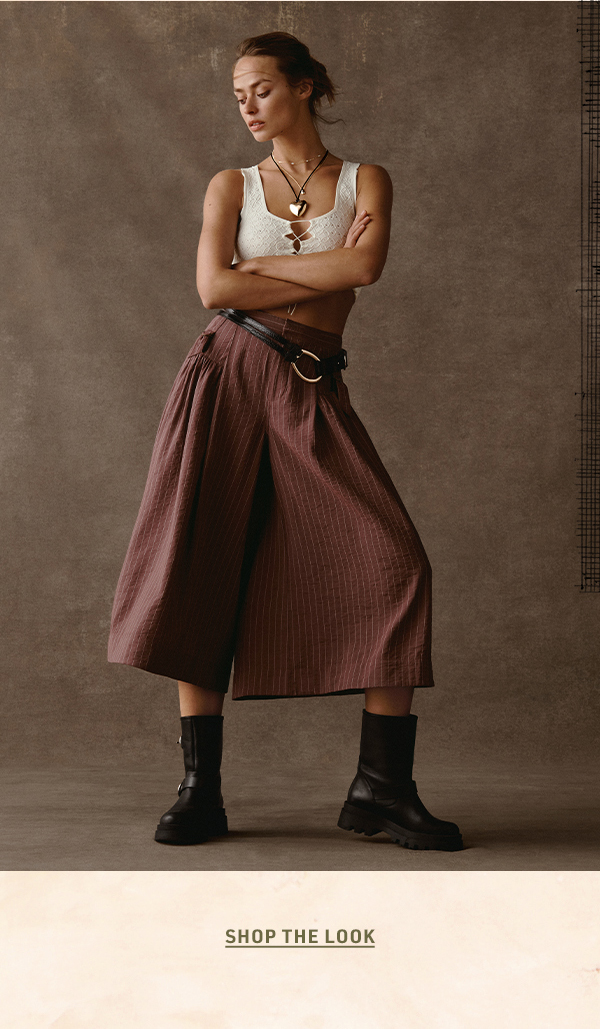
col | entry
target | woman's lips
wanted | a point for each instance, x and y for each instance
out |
(255, 125)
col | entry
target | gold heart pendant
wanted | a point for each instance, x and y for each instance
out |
(299, 208)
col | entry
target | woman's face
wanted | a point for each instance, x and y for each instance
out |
(267, 102)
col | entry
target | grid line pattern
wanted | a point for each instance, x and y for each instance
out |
(588, 26)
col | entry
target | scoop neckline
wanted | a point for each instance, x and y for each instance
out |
(311, 220)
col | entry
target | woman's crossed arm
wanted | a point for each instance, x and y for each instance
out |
(265, 282)
(220, 285)
(362, 259)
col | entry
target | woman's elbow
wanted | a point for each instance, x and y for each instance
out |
(209, 294)
(369, 264)
(208, 301)
(369, 274)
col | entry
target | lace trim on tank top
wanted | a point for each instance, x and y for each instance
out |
(261, 233)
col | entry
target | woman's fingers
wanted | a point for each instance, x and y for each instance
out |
(354, 233)
(358, 226)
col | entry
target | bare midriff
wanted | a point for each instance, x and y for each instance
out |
(329, 313)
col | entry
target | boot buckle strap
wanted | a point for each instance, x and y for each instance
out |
(191, 779)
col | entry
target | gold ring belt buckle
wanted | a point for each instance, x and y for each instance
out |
(300, 373)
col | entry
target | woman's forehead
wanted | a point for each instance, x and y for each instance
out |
(249, 71)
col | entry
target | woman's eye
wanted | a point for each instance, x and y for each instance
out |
(242, 100)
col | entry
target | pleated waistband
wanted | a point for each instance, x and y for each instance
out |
(323, 343)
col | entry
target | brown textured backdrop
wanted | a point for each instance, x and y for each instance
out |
(464, 357)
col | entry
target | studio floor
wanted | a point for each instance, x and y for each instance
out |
(104, 818)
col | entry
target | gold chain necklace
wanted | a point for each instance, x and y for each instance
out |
(306, 160)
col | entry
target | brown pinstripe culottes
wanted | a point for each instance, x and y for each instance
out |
(270, 534)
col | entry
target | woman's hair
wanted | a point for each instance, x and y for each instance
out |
(295, 61)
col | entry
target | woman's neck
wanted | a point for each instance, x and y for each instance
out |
(299, 149)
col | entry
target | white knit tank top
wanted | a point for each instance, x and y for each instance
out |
(262, 234)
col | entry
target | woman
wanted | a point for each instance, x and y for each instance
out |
(270, 534)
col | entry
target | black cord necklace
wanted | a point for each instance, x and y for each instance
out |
(299, 207)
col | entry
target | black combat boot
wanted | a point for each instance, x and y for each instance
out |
(383, 796)
(199, 812)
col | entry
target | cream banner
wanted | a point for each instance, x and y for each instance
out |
(424, 950)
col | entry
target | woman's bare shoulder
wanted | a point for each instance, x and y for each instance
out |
(373, 173)
(374, 185)
(226, 187)
(226, 180)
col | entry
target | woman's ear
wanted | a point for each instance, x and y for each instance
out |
(305, 89)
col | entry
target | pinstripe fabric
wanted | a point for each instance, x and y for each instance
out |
(270, 534)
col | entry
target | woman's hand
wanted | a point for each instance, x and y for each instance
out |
(245, 266)
(357, 228)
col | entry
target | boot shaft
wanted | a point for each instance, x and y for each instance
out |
(387, 746)
(202, 742)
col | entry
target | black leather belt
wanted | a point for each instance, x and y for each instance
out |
(289, 351)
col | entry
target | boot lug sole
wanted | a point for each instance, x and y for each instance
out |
(182, 835)
(358, 820)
